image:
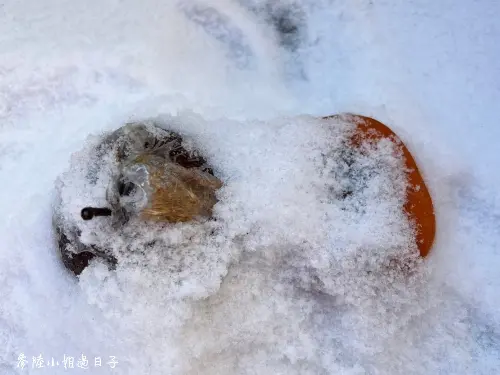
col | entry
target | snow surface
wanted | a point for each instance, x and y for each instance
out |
(219, 71)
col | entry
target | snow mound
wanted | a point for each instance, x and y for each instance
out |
(300, 213)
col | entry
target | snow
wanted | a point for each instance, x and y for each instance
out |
(218, 71)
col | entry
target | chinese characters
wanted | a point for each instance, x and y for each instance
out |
(67, 362)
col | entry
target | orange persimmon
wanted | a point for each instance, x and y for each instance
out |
(418, 205)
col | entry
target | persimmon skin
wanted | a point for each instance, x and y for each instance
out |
(418, 205)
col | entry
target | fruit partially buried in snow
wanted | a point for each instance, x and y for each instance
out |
(418, 206)
(154, 178)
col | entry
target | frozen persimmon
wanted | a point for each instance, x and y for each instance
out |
(418, 205)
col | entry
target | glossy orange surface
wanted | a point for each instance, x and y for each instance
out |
(418, 206)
